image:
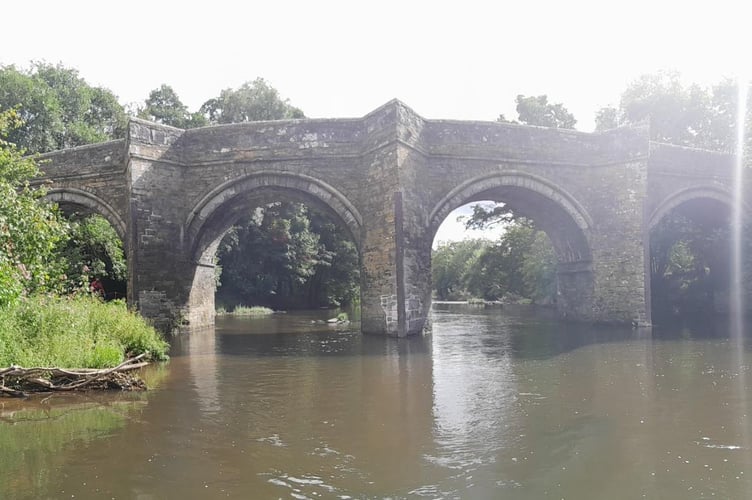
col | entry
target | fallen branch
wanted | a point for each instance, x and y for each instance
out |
(17, 381)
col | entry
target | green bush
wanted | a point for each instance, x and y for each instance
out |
(74, 332)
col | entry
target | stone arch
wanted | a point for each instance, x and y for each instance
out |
(73, 196)
(710, 206)
(688, 194)
(231, 196)
(571, 244)
(556, 212)
(219, 209)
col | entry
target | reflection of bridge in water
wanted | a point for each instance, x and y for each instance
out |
(391, 178)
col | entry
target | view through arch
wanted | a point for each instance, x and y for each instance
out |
(536, 205)
(276, 247)
(690, 260)
(95, 255)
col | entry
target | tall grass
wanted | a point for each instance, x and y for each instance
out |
(74, 332)
(252, 311)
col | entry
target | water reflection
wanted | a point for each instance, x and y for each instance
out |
(493, 404)
(40, 435)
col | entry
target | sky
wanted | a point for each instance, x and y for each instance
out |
(464, 60)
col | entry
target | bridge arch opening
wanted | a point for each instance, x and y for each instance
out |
(690, 255)
(537, 205)
(95, 251)
(77, 201)
(290, 222)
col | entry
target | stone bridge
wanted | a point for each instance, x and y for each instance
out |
(391, 178)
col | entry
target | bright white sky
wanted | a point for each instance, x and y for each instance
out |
(343, 58)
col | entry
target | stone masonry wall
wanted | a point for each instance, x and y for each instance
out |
(390, 177)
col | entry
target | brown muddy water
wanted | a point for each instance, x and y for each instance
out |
(495, 403)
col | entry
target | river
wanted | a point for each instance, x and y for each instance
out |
(494, 403)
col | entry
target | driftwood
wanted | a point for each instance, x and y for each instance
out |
(17, 381)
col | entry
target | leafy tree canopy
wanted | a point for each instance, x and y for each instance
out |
(94, 250)
(284, 255)
(536, 110)
(30, 230)
(253, 101)
(58, 108)
(164, 106)
(686, 115)
(520, 263)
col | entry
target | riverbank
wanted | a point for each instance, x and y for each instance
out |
(44, 337)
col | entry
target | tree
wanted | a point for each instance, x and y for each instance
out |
(677, 114)
(272, 252)
(450, 265)
(164, 106)
(30, 230)
(521, 263)
(536, 110)
(253, 101)
(606, 119)
(285, 255)
(94, 250)
(336, 280)
(539, 269)
(686, 115)
(58, 109)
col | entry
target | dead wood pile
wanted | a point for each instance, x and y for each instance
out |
(19, 382)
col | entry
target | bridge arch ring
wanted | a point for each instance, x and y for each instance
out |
(91, 201)
(687, 194)
(316, 188)
(473, 187)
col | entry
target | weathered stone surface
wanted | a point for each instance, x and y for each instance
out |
(391, 178)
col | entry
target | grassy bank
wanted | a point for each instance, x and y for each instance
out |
(74, 332)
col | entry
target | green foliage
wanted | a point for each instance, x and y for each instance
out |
(336, 280)
(487, 216)
(520, 263)
(30, 230)
(451, 264)
(536, 110)
(539, 269)
(74, 332)
(164, 106)
(271, 252)
(58, 108)
(690, 259)
(286, 256)
(606, 119)
(253, 101)
(94, 250)
(687, 115)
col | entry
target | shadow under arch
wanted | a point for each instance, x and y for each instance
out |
(78, 197)
(554, 211)
(221, 208)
